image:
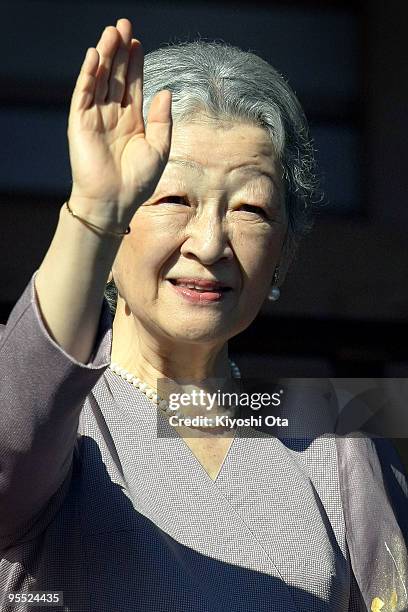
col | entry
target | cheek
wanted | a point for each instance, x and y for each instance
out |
(153, 232)
(158, 219)
(152, 243)
(258, 253)
(156, 232)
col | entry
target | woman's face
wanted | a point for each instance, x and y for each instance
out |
(217, 213)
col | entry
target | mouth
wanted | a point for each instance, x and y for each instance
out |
(195, 292)
(202, 286)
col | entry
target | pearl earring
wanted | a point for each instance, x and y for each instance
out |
(274, 293)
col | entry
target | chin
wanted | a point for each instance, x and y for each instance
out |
(197, 334)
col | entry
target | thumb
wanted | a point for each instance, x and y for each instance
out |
(159, 123)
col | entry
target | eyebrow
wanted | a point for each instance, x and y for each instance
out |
(245, 168)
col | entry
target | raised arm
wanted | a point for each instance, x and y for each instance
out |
(116, 164)
(57, 340)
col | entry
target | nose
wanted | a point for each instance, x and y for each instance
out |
(207, 239)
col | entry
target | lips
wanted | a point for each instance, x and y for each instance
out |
(199, 296)
(200, 283)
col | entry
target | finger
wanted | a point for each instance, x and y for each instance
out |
(134, 79)
(159, 123)
(84, 90)
(117, 79)
(106, 48)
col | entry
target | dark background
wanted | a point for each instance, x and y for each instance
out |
(344, 306)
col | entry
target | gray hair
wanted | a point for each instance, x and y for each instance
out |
(229, 84)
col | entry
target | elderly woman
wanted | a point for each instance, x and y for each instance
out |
(106, 503)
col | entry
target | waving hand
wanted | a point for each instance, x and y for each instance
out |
(116, 160)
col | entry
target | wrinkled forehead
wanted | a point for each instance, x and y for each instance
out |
(239, 151)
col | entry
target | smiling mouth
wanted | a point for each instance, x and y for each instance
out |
(192, 287)
(201, 296)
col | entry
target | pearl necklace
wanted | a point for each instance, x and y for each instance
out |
(151, 394)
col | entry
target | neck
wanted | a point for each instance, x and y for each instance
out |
(152, 356)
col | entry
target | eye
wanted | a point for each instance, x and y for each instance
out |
(254, 209)
(173, 199)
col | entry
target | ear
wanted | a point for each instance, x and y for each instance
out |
(288, 254)
(284, 266)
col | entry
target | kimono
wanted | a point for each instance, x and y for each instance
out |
(104, 504)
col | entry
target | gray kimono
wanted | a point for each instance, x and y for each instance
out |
(96, 505)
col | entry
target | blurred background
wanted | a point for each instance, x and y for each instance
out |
(344, 306)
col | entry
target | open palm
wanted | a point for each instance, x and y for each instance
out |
(116, 161)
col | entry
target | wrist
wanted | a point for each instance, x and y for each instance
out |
(103, 216)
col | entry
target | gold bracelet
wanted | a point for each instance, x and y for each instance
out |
(96, 226)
